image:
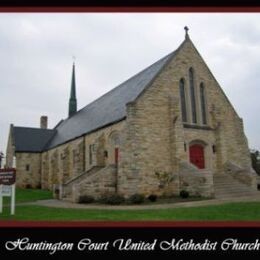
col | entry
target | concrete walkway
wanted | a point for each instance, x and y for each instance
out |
(65, 204)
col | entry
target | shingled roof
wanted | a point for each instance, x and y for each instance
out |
(106, 110)
(109, 108)
(28, 139)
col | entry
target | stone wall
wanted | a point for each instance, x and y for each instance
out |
(147, 147)
(62, 163)
(103, 150)
(66, 161)
(28, 170)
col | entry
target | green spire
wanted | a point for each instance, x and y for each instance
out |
(73, 99)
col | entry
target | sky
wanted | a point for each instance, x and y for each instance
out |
(37, 49)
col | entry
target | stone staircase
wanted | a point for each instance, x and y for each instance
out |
(93, 182)
(225, 186)
(68, 186)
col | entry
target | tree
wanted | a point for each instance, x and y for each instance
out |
(1, 157)
(255, 161)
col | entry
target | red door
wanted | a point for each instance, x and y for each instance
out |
(197, 156)
(116, 156)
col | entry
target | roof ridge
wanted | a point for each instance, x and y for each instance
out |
(34, 128)
(120, 85)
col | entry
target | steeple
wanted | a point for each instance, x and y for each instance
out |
(73, 99)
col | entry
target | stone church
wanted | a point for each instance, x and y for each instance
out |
(168, 128)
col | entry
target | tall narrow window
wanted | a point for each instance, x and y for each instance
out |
(183, 101)
(90, 155)
(74, 154)
(192, 96)
(203, 104)
(92, 150)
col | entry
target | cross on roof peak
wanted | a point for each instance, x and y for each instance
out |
(186, 31)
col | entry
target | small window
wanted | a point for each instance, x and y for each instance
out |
(27, 167)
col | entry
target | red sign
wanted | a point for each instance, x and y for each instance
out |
(7, 176)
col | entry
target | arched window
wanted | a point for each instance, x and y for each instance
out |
(203, 104)
(192, 96)
(183, 101)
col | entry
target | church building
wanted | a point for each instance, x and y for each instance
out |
(167, 129)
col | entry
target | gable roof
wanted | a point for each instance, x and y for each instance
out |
(28, 139)
(109, 108)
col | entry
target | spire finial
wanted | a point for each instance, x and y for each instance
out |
(186, 32)
(74, 59)
(73, 99)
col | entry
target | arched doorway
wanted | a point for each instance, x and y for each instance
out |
(197, 156)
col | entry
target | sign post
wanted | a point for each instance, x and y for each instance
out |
(7, 187)
(1, 198)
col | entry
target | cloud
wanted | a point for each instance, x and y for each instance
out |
(36, 52)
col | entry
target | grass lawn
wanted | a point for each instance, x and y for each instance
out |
(28, 195)
(231, 211)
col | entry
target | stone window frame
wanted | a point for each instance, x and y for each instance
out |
(114, 138)
(190, 109)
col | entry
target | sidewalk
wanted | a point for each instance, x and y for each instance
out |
(65, 204)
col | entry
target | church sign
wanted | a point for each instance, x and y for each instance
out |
(7, 187)
(7, 176)
(6, 191)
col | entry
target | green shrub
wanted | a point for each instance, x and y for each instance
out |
(86, 199)
(113, 199)
(28, 186)
(184, 194)
(136, 199)
(39, 186)
(152, 197)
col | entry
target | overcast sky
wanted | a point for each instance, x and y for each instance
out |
(36, 59)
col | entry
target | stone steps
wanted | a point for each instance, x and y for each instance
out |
(225, 186)
(67, 187)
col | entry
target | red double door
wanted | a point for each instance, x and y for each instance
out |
(197, 155)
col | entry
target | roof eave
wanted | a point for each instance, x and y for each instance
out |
(46, 149)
